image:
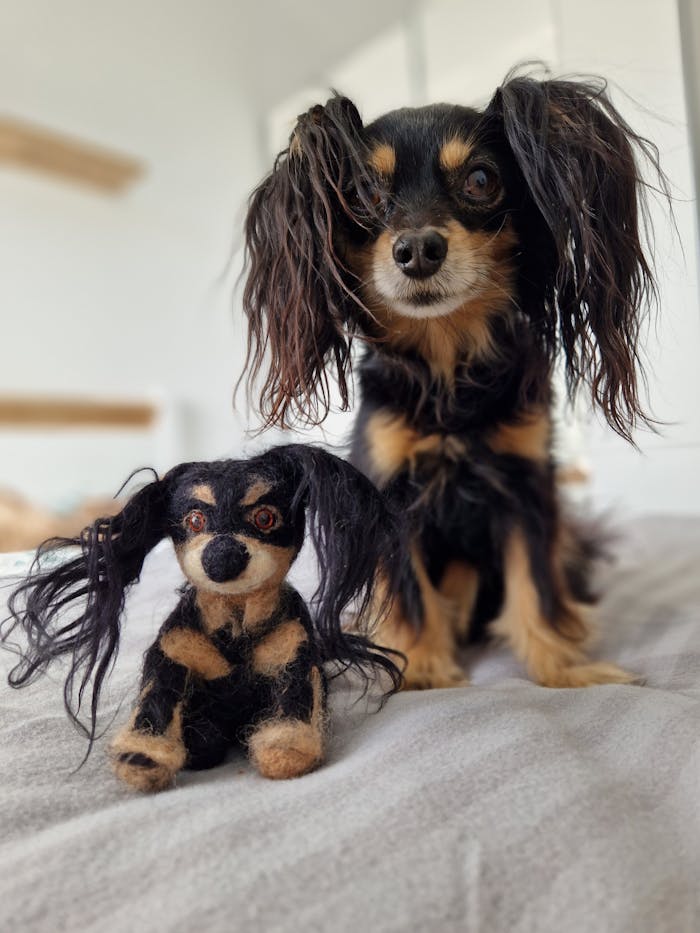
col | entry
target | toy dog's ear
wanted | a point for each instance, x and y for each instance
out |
(111, 555)
(579, 159)
(355, 538)
(299, 296)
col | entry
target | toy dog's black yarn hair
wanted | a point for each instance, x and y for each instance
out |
(112, 552)
(350, 546)
(351, 529)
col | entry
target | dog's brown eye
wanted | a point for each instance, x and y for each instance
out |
(374, 196)
(481, 184)
(264, 519)
(195, 521)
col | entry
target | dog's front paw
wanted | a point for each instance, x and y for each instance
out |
(589, 675)
(425, 671)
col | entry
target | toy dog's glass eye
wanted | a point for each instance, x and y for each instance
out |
(481, 184)
(264, 519)
(195, 521)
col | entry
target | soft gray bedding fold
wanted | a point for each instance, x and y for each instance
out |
(499, 807)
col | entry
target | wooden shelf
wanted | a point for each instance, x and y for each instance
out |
(41, 150)
(44, 412)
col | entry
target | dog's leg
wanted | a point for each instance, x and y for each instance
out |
(431, 647)
(549, 643)
(459, 584)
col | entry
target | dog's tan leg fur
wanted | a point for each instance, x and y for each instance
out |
(430, 652)
(552, 659)
(460, 585)
(393, 445)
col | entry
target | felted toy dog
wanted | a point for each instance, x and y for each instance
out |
(239, 658)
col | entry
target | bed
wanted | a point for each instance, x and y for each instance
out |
(501, 806)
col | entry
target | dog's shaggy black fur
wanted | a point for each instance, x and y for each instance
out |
(468, 251)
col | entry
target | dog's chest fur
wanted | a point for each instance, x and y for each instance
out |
(457, 458)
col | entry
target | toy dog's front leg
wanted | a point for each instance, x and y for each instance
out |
(156, 743)
(149, 751)
(289, 740)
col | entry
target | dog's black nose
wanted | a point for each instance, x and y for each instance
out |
(224, 559)
(420, 254)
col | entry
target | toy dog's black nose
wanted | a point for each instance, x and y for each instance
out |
(224, 559)
(420, 253)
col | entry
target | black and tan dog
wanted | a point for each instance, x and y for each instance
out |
(239, 659)
(468, 251)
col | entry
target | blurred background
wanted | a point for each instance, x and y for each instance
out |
(131, 135)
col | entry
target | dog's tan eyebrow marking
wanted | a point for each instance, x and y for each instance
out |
(383, 160)
(454, 153)
(204, 493)
(259, 488)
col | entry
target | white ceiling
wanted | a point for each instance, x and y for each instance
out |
(100, 53)
(172, 82)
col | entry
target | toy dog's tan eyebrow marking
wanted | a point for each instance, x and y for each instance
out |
(454, 153)
(204, 493)
(259, 489)
(279, 648)
(383, 160)
(195, 652)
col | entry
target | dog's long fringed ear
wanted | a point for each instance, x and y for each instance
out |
(71, 604)
(582, 163)
(299, 296)
(356, 539)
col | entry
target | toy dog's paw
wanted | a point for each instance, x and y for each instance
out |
(282, 749)
(145, 761)
(142, 772)
(430, 671)
(589, 675)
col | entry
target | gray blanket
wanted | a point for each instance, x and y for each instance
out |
(498, 807)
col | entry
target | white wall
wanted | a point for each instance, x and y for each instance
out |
(639, 50)
(128, 295)
(118, 295)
